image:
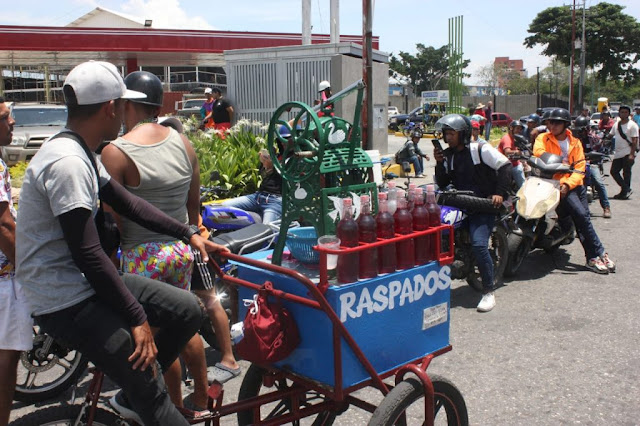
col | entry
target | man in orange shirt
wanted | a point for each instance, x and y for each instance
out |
(573, 195)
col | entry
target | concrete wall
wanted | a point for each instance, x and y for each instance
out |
(346, 70)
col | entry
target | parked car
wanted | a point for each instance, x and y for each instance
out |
(397, 121)
(190, 107)
(500, 119)
(35, 123)
(392, 110)
(595, 117)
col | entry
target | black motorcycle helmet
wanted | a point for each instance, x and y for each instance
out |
(582, 122)
(539, 111)
(545, 116)
(560, 114)
(455, 122)
(147, 83)
(515, 123)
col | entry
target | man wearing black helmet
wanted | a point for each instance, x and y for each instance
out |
(477, 167)
(573, 196)
(508, 148)
(590, 142)
(159, 165)
(625, 132)
(411, 153)
(532, 123)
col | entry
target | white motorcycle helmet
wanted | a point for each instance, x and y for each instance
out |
(324, 85)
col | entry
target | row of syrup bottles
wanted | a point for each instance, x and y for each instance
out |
(397, 214)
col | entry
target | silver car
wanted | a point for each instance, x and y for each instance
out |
(35, 123)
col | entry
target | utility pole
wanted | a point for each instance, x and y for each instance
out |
(306, 22)
(583, 45)
(573, 54)
(367, 74)
(538, 87)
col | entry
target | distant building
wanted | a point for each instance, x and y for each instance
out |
(510, 66)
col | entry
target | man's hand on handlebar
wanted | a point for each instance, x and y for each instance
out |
(497, 200)
(205, 246)
(145, 352)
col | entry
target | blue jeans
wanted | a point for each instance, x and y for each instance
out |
(597, 180)
(101, 333)
(576, 205)
(417, 164)
(487, 130)
(268, 205)
(480, 227)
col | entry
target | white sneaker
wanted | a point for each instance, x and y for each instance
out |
(487, 303)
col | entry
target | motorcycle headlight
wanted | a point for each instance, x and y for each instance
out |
(393, 120)
(18, 140)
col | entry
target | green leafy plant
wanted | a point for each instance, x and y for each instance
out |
(17, 173)
(235, 157)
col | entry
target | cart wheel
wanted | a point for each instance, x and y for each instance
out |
(404, 405)
(296, 157)
(252, 387)
(499, 250)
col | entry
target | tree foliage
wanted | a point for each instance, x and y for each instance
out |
(612, 39)
(427, 70)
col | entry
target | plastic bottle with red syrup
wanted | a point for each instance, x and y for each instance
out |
(385, 230)
(367, 234)
(347, 231)
(420, 216)
(434, 220)
(403, 224)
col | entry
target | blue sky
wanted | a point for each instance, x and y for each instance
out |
(491, 28)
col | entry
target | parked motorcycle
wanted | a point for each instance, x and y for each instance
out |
(537, 224)
(456, 206)
(411, 126)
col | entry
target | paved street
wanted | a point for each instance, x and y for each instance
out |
(562, 344)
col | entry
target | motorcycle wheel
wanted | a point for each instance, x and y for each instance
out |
(499, 250)
(519, 248)
(406, 132)
(47, 370)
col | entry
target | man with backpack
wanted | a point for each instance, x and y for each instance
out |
(411, 153)
(477, 167)
(625, 132)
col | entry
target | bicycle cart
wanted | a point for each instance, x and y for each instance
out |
(353, 336)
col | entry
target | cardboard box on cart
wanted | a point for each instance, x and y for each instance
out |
(394, 318)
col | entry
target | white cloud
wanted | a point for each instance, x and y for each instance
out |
(166, 14)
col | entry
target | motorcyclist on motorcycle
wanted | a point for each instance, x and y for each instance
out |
(590, 142)
(560, 141)
(411, 153)
(480, 168)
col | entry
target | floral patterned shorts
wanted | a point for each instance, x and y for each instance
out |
(169, 262)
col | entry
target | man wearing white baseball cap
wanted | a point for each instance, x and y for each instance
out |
(75, 291)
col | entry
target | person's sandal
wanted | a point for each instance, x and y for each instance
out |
(221, 373)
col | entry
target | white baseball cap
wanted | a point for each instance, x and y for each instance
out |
(208, 90)
(95, 82)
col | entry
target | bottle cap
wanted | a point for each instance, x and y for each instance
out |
(347, 202)
(364, 199)
(382, 195)
(391, 184)
(412, 186)
(431, 188)
(401, 193)
(417, 192)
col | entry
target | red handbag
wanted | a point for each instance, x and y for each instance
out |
(270, 332)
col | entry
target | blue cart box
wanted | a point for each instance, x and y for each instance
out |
(394, 318)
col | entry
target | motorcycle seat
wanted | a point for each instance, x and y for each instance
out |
(243, 238)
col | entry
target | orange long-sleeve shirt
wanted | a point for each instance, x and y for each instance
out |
(547, 142)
